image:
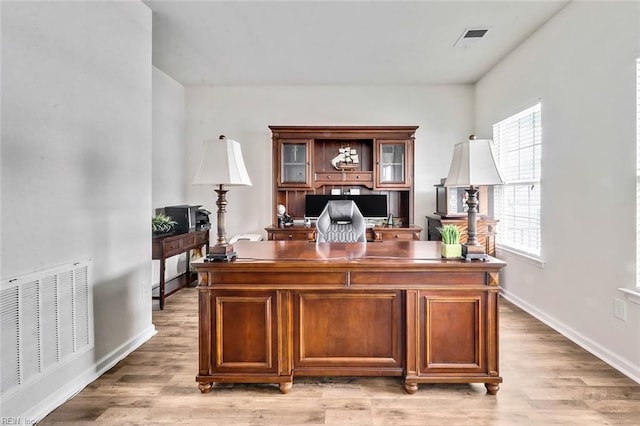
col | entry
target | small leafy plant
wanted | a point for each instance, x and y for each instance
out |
(161, 223)
(450, 234)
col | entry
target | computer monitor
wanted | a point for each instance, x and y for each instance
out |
(372, 206)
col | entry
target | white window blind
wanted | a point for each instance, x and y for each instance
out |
(518, 148)
(638, 172)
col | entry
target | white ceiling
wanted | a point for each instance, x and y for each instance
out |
(337, 42)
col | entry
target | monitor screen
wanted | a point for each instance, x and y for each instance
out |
(371, 205)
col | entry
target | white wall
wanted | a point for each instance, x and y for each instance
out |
(169, 158)
(169, 155)
(444, 114)
(581, 65)
(76, 168)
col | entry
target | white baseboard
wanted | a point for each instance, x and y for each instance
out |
(70, 389)
(620, 364)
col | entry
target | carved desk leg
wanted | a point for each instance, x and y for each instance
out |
(205, 387)
(410, 388)
(285, 387)
(492, 388)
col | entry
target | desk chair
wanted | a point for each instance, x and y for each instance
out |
(341, 222)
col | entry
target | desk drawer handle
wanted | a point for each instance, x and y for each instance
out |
(396, 236)
(290, 236)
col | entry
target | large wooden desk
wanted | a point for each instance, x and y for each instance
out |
(286, 308)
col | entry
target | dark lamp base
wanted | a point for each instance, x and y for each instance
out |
(223, 253)
(474, 252)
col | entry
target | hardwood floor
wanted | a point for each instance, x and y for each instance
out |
(548, 380)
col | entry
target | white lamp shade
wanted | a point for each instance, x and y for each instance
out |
(221, 163)
(473, 163)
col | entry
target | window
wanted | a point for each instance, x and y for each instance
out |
(518, 145)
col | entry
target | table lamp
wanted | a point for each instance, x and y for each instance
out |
(473, 165)
(221, 164)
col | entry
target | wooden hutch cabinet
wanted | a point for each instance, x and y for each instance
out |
(303, 163)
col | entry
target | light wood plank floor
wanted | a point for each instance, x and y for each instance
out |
(547, 381)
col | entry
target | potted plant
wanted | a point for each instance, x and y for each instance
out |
(450, 247)
(162, 224)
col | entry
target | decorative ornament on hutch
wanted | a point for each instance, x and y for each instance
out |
(347, 159)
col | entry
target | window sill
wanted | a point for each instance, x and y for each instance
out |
(632, 296)
(527, 258)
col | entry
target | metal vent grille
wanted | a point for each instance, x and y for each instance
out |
(471, 36)
(475, 33)
(46, 321)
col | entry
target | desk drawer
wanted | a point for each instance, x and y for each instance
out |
(290, 236)
(189, 241)
(397, 235)
(329, 177)
(353, 177)
(172, 247)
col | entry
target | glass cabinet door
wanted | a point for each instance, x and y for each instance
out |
(392, 163)
(295, 163)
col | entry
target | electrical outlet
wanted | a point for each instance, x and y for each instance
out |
(620, 309)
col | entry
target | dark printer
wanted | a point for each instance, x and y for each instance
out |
(202, 219)
(185, 215)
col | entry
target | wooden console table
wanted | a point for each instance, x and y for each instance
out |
(165, 247)
(394, 308)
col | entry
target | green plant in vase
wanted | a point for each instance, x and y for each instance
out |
(450, 247)
(162, 224)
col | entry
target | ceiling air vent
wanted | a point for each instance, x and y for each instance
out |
(471, 36)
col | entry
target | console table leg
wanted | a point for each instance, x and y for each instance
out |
(161, 285)
(492, 388)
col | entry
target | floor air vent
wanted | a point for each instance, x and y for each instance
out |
(46, 321)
